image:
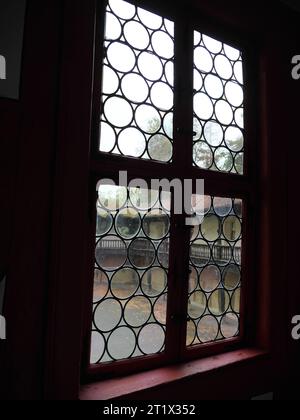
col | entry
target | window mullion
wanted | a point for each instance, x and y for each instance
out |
(183, 118)
(183, 135)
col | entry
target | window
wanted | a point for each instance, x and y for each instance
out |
(168, 104)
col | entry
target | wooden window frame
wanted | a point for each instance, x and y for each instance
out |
(90, 166)
(216, 184)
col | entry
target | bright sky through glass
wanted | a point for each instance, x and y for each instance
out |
(138, 78)
(218, 106)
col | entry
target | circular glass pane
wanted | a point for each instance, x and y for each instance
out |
(236, 301)
(239, 117)
(203, 106)
(165, 200)
(121, 343)
(198, 81)
(223, 159)
(208, 329)
(238, 207)
(191, 333)
(210, 228)
(197, 129)
(100, 285)
(203, 60)
(168, 124)
(163, 44)
(231, 277)
(210, 278)
(154, 282)
(136, 35)
(234, 94)
(207, 204)
(132, 142)
(143, 199)
(200, 253)
(156, 224)
(124, 283)
(237, 252)
(151, 339)
(224, 112)
(203, 156)
(110, 81)
(107, 138)
(121, 57)
(234, 139)
(148, 119)
(232, 228)
(107, 315)
(169, 27)
(238, 72)
(222, 254)
(212, 45)
(197, 38)
(128, 223)
(137, 311)
(163, 253)
(230, 325)
(193, 279)
(118, 112)
(213, 133)
(222, 206)
(169, 72)
(162, 96)
(160, 148)
(213, 86)
(239, 163)
(150, 66)
(197, 305)
(194, 232)
(160, 310)
(122, 9)
(142, 253)
(218, 302)
(151, 20)
(135, 88)
(104, 222)
(111, 197)
(223, 67)
(113, 28)
(97, 347)
(111, 253)
(232, 53)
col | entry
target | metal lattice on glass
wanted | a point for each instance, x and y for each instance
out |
(138, 83)
(218, 106)
(131, 271)
(215, 273)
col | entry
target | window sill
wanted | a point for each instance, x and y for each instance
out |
(125, 387)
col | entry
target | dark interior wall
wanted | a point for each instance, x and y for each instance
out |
(28, 139)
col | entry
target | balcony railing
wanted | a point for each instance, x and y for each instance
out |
(201, 252)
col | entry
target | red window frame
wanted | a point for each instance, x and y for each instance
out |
(216, 184)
